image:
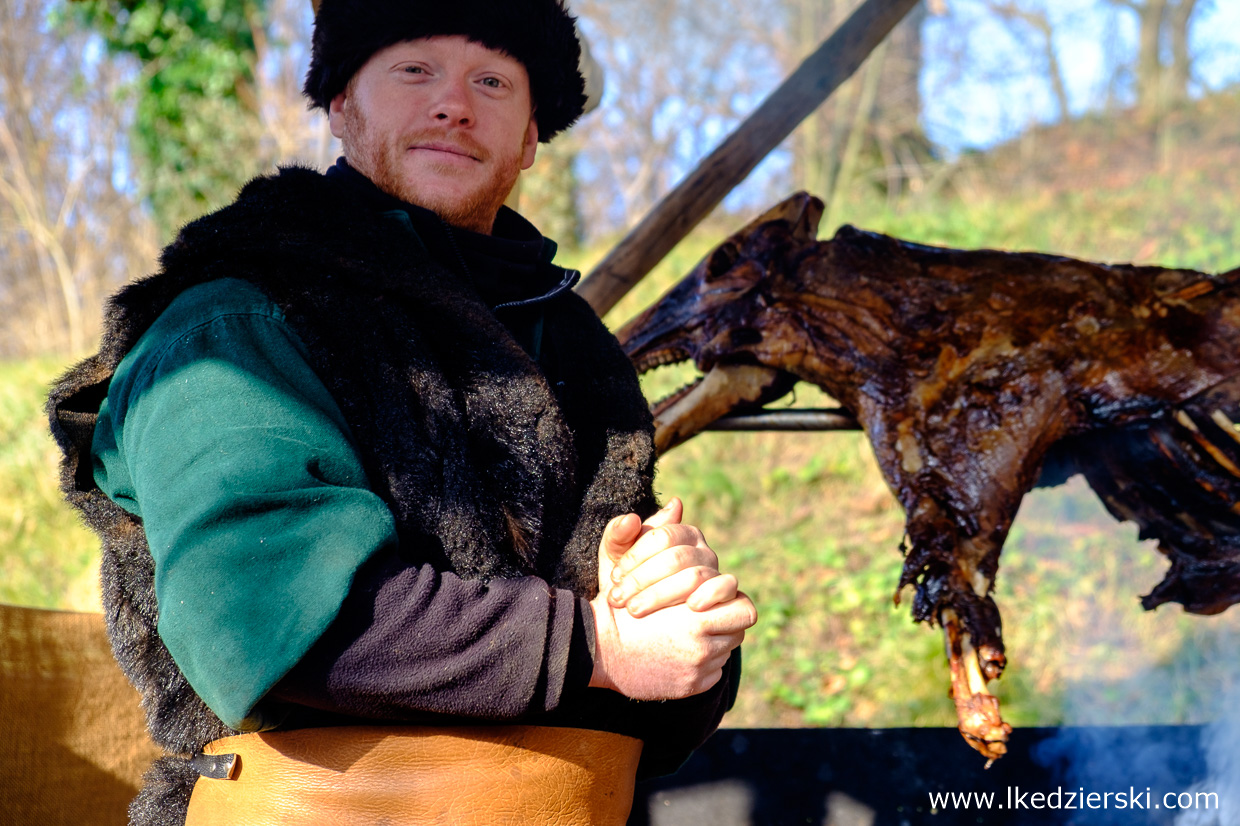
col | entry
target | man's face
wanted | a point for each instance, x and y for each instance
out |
(441, 122)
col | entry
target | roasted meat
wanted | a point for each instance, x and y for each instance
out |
(972, 373)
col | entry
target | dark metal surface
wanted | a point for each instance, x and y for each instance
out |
(798, 419)
(884, 777)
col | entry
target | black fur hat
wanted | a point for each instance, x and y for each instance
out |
(538, 33)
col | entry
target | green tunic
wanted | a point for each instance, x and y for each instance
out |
(249, 482)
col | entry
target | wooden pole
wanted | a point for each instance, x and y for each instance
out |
(692, 200)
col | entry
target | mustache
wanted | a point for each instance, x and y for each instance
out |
(457, 143)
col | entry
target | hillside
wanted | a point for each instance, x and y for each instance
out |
(1114, 189)
(806, 520)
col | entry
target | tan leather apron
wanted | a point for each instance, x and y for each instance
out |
(401, 776)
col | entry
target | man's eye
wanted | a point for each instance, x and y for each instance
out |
(415, 70)
(493, 82)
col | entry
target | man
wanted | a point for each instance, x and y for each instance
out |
(374, 485)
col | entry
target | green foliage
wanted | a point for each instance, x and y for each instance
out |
(550, 191)
(1191, 223)
(196, 125)
(1103, 189)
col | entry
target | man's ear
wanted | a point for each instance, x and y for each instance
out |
(335, 114)
(531, 143)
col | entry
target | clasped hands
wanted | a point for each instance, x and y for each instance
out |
(666, 620)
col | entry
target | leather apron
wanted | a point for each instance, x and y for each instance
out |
(406, 775)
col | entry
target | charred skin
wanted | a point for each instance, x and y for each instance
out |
(1178, 477)
(683, 324)
(966, 369)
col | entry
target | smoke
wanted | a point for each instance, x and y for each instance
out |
(1151, 699)
(1194, 770)
(1147, 761)
(1220, 742)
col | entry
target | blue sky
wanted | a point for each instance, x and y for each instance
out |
(1001, 87)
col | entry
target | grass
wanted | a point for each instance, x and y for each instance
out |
(809, 527)
(807, 522)
(47, 558)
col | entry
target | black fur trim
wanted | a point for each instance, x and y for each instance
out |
(458, 430)
(489, 471)
(538, 33)
(166, 789)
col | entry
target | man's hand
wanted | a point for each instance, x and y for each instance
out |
(663, 563)
(673, 653)
(683, 618)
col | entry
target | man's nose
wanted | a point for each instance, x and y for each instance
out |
(453, 105)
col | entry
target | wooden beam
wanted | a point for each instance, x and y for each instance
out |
(692, 200)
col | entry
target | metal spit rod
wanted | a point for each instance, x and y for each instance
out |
(815, 418)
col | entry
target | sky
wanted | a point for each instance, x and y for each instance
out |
(1001, 88)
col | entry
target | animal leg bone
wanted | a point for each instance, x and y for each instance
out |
(976, 708)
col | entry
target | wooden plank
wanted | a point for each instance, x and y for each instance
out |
(692, 200)
(75, 739)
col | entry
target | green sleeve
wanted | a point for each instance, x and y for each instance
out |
(220, 437)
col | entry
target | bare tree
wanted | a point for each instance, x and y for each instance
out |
(68, 232)
(1179, 72)
(1163, 64)
(874, 118)
(291, 132)
(679, 75)
(1033, 15)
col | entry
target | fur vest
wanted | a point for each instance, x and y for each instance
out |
(488, 470)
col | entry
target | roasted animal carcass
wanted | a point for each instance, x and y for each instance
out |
(973, 373)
